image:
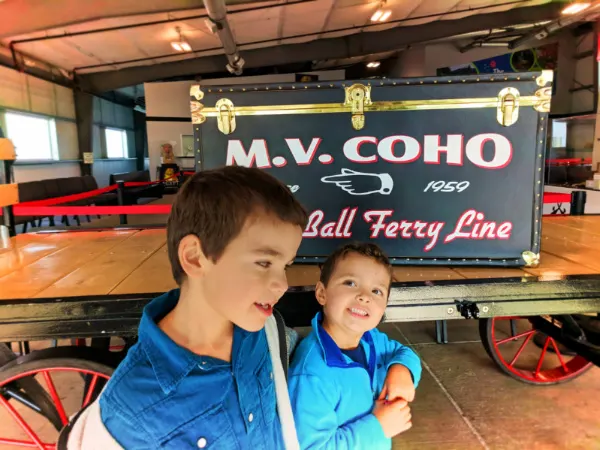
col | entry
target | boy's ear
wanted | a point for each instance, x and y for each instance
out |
(191, 256)
(320, 293)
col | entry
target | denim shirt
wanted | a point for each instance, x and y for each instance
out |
(332, 396)
(164, 396)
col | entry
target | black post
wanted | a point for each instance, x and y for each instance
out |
(578, 199)
(7, 211)
(120, 197)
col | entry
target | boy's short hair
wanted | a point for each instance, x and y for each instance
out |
(368, 250)
(215, 204)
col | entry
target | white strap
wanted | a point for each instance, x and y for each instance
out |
(284, 406)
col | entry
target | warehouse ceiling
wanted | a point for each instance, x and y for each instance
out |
(106, 45)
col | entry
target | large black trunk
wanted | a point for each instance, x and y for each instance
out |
(434, 170)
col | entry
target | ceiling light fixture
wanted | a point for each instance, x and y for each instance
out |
(575, 7)
(181, 45)
(373, 64)
(382, 14)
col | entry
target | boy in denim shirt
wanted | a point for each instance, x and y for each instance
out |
(349, 383)
(200, 375)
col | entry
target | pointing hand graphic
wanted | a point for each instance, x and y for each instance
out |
(360, 183)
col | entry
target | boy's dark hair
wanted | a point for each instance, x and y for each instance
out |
(361, 248)
(215, 204)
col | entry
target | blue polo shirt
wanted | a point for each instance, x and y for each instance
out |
(164, 396)
(333, 395)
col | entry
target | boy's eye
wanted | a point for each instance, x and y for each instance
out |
(349, 283)
(264, 264)
(377, 292)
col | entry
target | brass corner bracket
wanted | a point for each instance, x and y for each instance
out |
(195, 106)
(546, 77)
(531, 259)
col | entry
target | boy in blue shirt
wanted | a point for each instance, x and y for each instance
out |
(200, 375)
(349, 384)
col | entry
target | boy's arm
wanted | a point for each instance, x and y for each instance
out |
(393, 352)
(313, 402)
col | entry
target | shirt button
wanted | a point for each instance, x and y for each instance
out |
(202, 443)
(250, 417)
(271, 375)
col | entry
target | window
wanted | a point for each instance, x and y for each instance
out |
(116, 143)
(34, 137)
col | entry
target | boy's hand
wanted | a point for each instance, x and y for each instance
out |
(398, 384)
(394, 416)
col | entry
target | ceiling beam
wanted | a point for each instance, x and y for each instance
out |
(359, 44)
(28, 16)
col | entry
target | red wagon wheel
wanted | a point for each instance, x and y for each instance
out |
(70, 380)
(528, 355)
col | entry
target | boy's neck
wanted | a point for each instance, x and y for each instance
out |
(345, 340)
(194, 325)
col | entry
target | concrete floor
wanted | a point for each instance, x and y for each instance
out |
(463, 402)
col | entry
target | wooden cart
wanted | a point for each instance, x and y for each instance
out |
(90, 285)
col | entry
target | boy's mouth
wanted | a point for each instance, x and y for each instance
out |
(265, 308)
(358, 312)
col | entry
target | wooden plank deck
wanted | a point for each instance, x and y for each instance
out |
(133, 261)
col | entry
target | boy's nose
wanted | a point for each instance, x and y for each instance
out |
(363, 297)
(279, 284)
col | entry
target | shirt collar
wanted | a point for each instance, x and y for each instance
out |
(171, 362)
(333, 355)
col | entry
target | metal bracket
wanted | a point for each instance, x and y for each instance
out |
(195, 106)
(196, 92)
(543, 104)
(357, 97)
(546, 77)
(508, 106)
(467, 309)
(225, 116)
(531, 259)
(196, 109)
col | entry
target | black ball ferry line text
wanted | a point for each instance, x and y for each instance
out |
(470, 225)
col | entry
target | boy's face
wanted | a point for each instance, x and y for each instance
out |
(356, 295)
(250, 277)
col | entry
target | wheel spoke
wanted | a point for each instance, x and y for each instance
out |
(521, 348)
(55, 397)
(560, 358)
(13, 412)
(514, 338)
(542, 356)
(90, 391)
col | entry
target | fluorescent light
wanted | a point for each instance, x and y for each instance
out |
(373, 64)
(575, 8)
(181, 46)
(385, 16)
(376, 16)
(381, 15)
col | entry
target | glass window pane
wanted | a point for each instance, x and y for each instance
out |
(33, 137)
(116, 143)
